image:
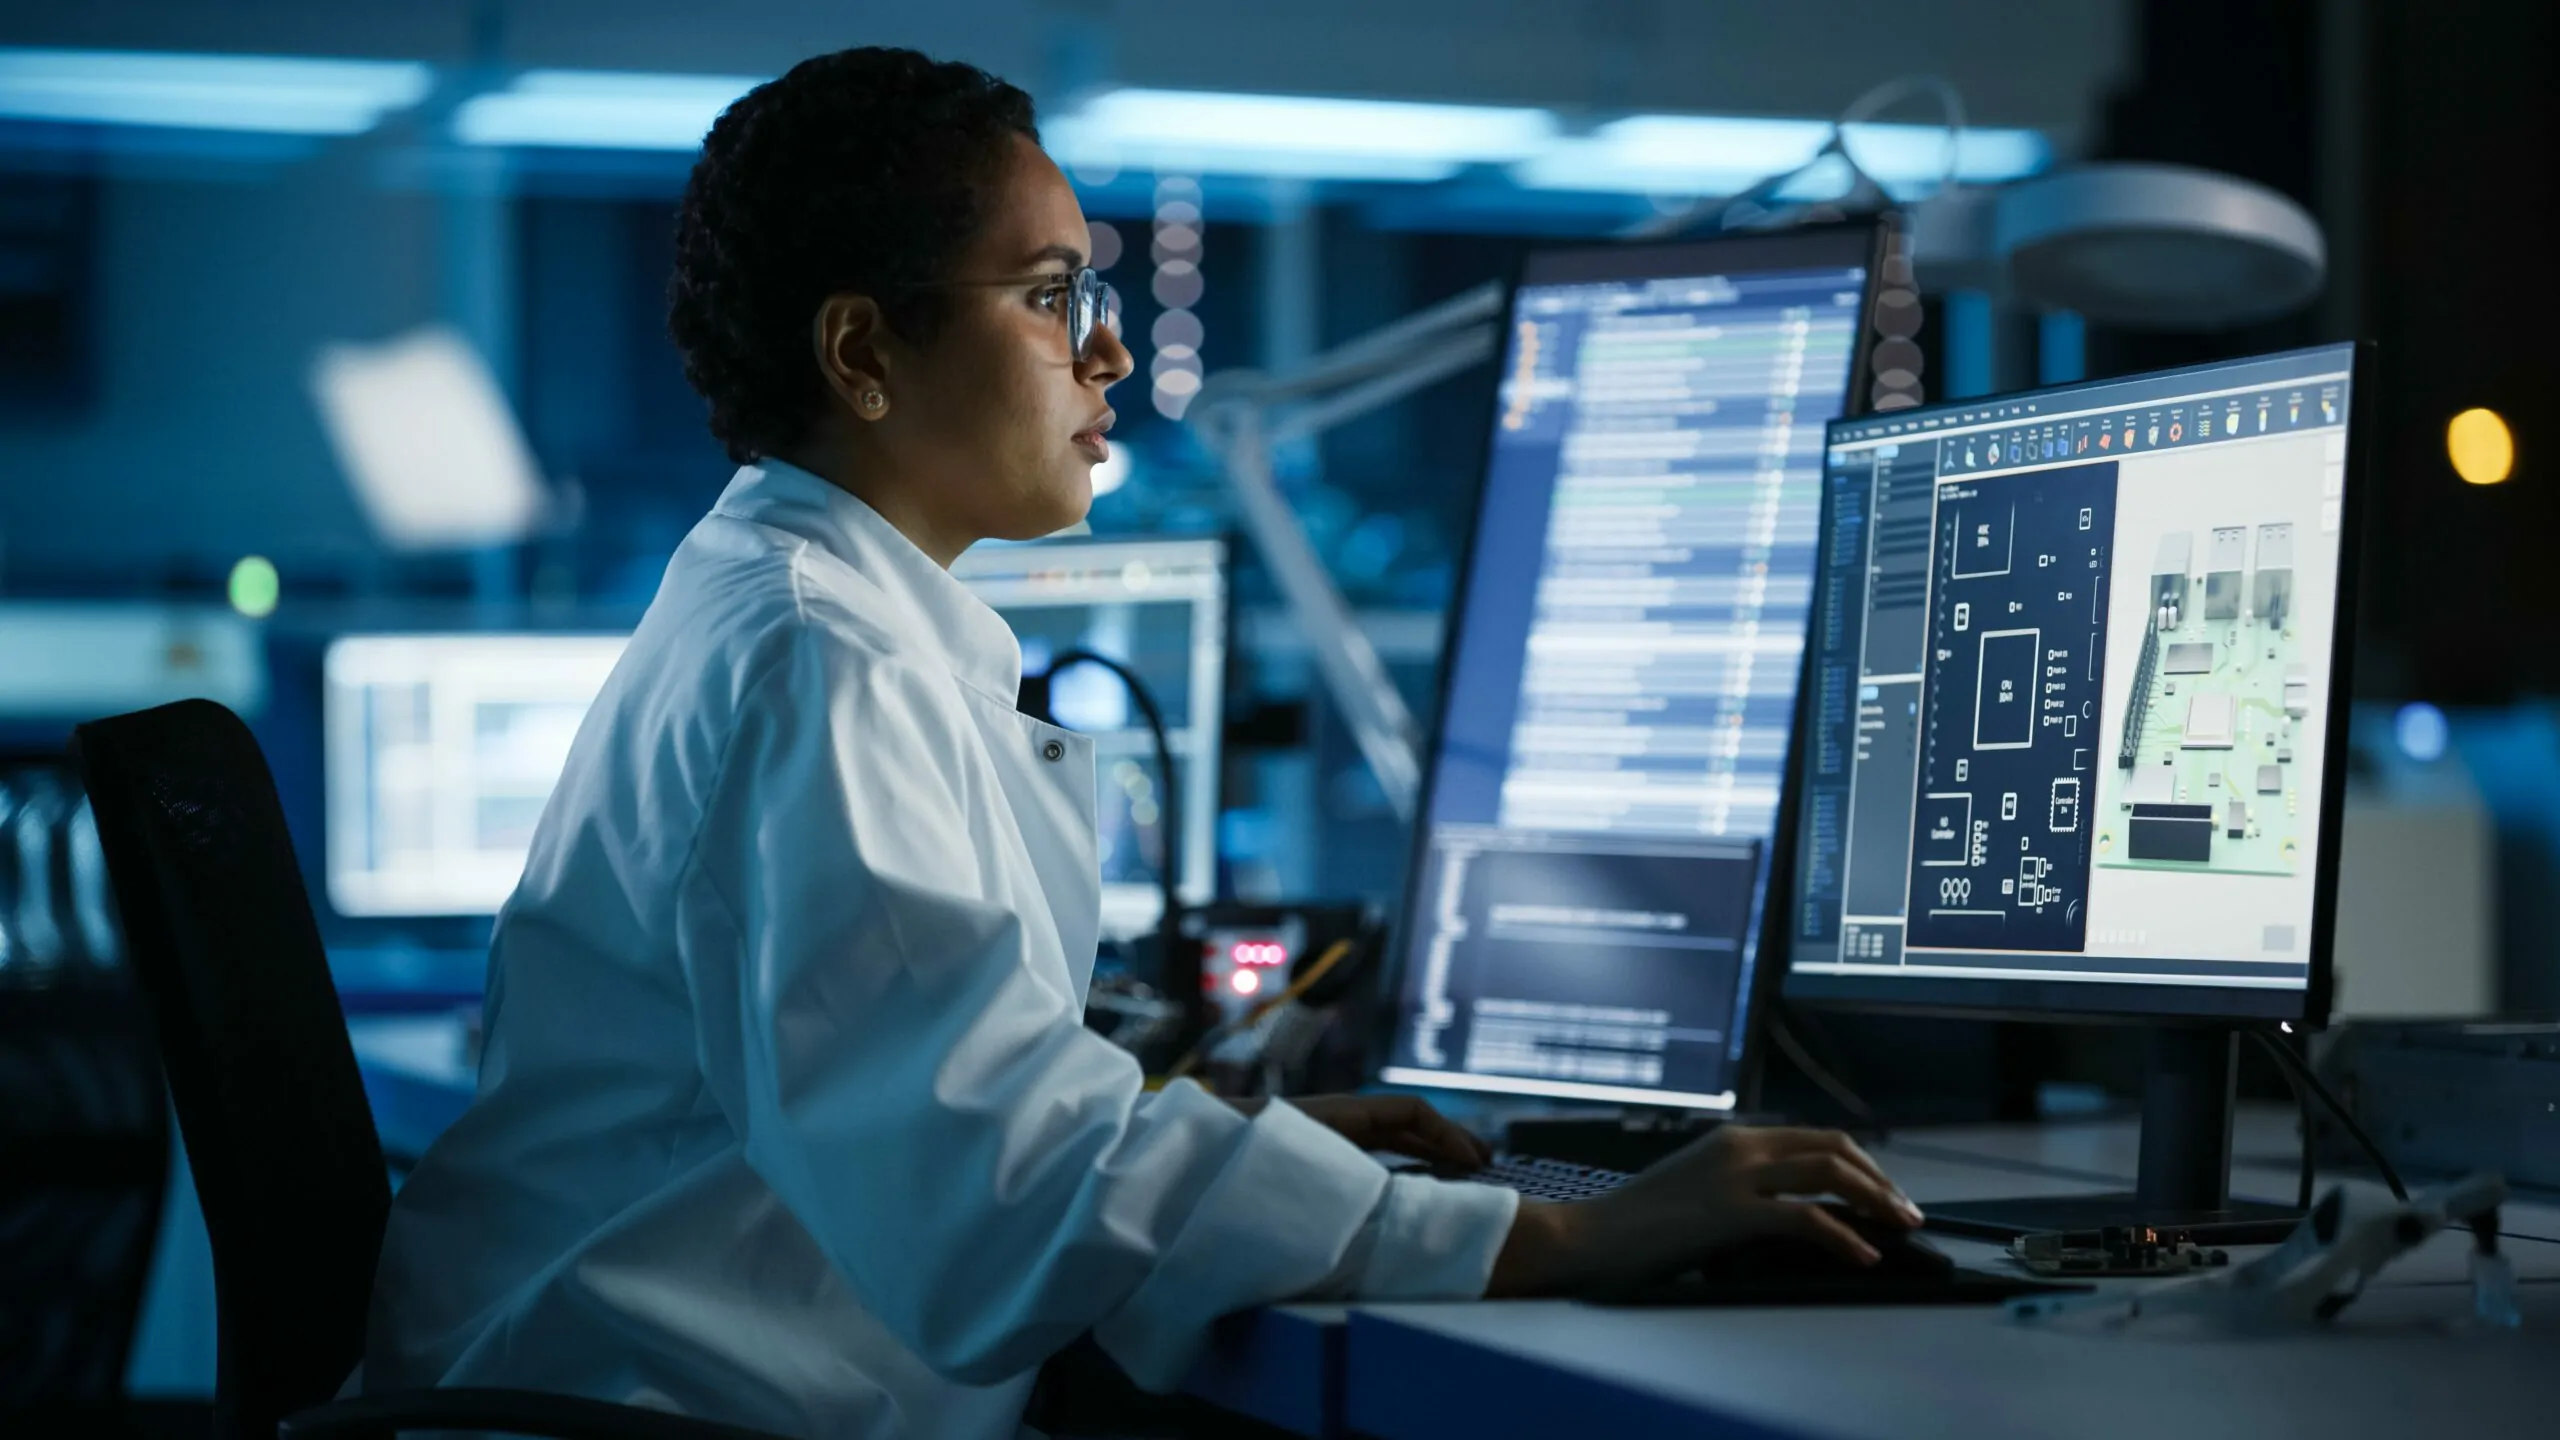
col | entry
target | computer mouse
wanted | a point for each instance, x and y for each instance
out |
(1906, 1256)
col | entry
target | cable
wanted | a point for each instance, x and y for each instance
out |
(2294, 1065)
(1760, 202)
(2302, 1104)
(1893, 92)
(1830, 1084)
(1168, 831)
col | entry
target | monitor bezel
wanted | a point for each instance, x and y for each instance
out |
(2082, 1002)
(1877, 232)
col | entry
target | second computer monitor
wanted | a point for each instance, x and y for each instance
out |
(2077, 699)
(1604, 786)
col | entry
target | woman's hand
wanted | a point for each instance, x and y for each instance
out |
(1735, 1184)
(1397, 1124)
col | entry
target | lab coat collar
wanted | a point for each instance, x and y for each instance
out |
(979, 647)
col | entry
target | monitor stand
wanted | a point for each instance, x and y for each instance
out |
(2183, 1181)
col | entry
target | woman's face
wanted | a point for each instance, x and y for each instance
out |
(996, 426)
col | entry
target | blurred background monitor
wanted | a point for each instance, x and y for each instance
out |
(439, 752)
(1159, 607)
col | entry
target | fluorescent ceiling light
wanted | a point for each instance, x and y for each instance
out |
(428, 442)
(600, 110)
(1293, 136)
(1713, 155)
(266, 93)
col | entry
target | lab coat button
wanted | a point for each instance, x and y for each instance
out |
(1054, 751)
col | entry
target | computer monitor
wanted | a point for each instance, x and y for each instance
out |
(438, 754)
(1602, 794)
(440, 750)
(2076, 722)
(1161, 608)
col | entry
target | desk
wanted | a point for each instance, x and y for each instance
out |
(1546, 1368)
(1556, 1368)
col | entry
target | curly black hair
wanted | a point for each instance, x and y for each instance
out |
(862, 171)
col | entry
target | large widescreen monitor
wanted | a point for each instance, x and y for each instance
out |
(1603, 786)
(2077, 699)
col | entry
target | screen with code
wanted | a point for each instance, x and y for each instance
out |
(1611, 745)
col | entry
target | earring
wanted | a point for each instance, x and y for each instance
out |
(874, 404)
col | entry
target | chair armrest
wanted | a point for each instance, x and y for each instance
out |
(507, 1412)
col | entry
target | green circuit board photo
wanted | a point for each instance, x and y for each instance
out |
(2206, 774)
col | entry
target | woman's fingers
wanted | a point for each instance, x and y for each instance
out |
(1825, 1229)
(1789, 1141)
(1442, 1138)
(1818, 1173)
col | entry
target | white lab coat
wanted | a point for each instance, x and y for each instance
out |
(787, 1115)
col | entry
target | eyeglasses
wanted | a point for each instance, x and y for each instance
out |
(1090, 304)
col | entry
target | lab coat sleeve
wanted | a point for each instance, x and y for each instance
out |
(907, 1066)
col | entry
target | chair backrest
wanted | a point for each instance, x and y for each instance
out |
(219, 931)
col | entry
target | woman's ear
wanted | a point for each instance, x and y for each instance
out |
(847, 333)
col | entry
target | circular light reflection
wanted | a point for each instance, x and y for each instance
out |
(2422, 731)
(2481, 447)
(1112, 473)
(255, 587)
(1103, 239)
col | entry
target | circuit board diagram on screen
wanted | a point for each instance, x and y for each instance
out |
(2203, 773)
(2009, 741)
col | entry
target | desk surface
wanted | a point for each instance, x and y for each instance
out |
(2389, 1367)
(1558, 1366)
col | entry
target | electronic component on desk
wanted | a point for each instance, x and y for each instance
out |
(2270, 780)
(1250, 953)
(2115, 1250)
(2189, 657)
(1274, 976)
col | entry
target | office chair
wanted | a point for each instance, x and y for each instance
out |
(219, 932)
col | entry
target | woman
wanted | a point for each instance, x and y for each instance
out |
(787, 1115)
